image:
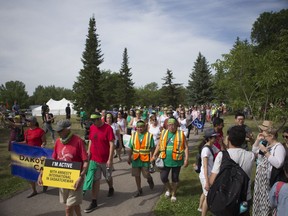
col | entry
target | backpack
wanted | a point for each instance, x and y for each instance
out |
(229, 189)
(198, 159)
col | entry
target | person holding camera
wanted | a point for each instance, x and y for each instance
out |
(271, 155)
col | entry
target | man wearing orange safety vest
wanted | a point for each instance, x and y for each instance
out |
(173, 149)
(142, 146)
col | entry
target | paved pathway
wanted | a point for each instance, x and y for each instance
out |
(122, 203)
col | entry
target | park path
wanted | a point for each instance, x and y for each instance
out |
(122, 203)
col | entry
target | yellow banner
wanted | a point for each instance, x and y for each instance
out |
(61, 174)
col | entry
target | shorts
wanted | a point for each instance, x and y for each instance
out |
(136, 171)
(203, 182)
(71, 197)
(174, 174)
(101, 168)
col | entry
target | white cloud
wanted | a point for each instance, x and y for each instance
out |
(41, 42)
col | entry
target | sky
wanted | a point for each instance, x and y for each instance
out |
(42, 41)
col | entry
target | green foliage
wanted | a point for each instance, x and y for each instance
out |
(148, 95)
(43, 94)
(255, 75)
(110, 85)
(126, 91)
(170, 91)
(267, 28)
(200, 83)
(87, 88)
(14, 91)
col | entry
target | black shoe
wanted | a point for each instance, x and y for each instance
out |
(139, 193)
(110, 192)
(92, 207)
(45, 188)
(151, 183)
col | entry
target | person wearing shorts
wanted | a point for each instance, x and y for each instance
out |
(70, 147)
(100, 151)
(142, 146)
(173, 149)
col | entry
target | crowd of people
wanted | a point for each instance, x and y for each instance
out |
(162, 134)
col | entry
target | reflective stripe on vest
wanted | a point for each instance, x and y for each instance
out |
(141, 150)
(178, 145)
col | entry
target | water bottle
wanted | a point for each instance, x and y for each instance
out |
(108, 174)
(243, 207)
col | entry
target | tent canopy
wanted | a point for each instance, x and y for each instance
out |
(56, 107)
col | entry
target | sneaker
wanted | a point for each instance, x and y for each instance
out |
(173, 199)
(110, 192)
(199, 209)
(151, 183)
(92, 207)
(167, 194)
(139, 193)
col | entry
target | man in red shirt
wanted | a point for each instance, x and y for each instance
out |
(100, 150)
(70, 147)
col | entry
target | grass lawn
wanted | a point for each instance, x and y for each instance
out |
(11, 185)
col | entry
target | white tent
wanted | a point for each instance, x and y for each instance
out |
(56, 107)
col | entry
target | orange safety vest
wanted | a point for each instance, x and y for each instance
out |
(141, 149)
(178, 145)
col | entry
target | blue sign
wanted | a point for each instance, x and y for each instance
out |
(197, 123)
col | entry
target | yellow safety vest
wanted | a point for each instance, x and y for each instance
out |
(141, 149)
(178, 145)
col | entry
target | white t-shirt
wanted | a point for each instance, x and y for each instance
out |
(115, 128)
(122, 125)
(182, 126)
(205, 152)
(155, 131)
(162, 119)
(244, 158)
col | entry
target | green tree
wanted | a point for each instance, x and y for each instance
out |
(110, 84)
(200, 83)
(220, 88)
(147, 95)
(126, 91)
(14, 91)
(267, 28)
(170, 91)
(43, 94)
(87, 88)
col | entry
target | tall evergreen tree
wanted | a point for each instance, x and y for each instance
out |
(87, 88)
(200, 83)
(170, 90)
(126, 91)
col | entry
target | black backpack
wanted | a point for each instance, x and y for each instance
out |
(198, 158)
(229, 189)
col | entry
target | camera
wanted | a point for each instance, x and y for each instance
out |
(264, 143)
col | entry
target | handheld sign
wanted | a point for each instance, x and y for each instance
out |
(197, 123)
(61, 174)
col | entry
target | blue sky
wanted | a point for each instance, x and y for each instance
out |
(42, 41)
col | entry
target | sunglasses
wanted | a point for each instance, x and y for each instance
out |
(285, 136)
